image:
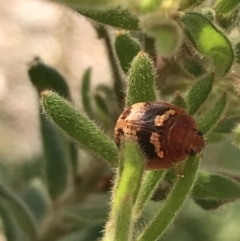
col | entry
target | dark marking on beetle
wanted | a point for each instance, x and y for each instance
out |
(146, 147)
(126, 113)
(118, 134)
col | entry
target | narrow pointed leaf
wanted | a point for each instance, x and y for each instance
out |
(215, 187)
(227, 125)
(79, 127)
(57, 165)
(45, 77)
(38, 200)
(76, 4)
(116, 17)
(193, 67)
(89, 234)
(126, 48)
(225, 6)
(85, 92)
(102, 112)
(10, 226)
(228, 21)
(94, 210)
(101, 103)
(84, 216)
(19, 211)
(211, 118)
(209, 204)
(178, 100)
(199, 93)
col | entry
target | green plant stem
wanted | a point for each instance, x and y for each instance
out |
(150, 183)
(129, 175)
(175, 200)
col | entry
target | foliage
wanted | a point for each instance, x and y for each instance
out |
(177, 51)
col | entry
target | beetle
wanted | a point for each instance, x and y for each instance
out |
(164, 132)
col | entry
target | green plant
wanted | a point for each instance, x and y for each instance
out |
(177, 51)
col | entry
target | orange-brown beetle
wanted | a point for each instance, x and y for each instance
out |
(165, 133)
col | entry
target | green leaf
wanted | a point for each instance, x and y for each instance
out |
(106, 90)
(228, 21)
(215, 187)
(227, 125)
(126, 48)
(102, 110)
(44, 77)
(140, 80)
(76, 4)
(193, 67)
(210, 204)
(19, 211)
(209, 41)
(101, 103)
(79, 127)
(57, 165)
(225, 6)
(118, 82)
(11, 228)
(38, 200)
(199, 93)
(109, 98)
(85, 92)
(211, 118)
(178, 100)
(74, 158)
(91, 212)
(89, 234)
(116, 17)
